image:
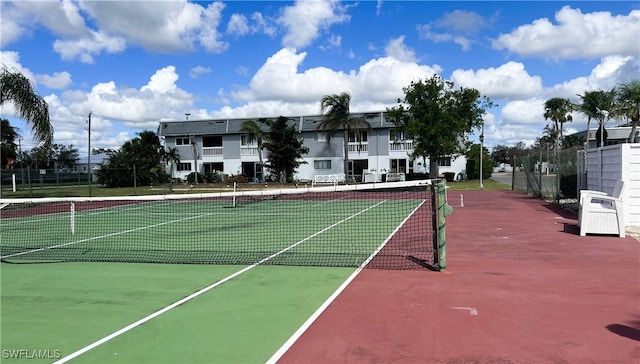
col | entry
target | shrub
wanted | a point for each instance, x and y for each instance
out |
(449, 176)
(569, 185)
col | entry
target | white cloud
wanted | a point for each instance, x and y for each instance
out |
(12, 61)
(509, 80)
(238, 25)
(195, 72)
(396, 49)
(85, 48)
(333, 42)
(58, 80)
(575, 36)
(13, 24)
(209, 36)
(63, 18)
(305, 20)
(610, 72)
(140, 108)
(461, 21)
(377, 82)
(160, 26)
(458, 27)
(524, 111)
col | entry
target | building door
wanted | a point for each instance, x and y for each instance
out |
(252, 171)
(212, 168)
(212, 171)
(356, 167)
(398, 166)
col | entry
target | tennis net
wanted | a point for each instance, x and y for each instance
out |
(384, 226)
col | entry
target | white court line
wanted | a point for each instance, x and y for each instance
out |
(472, 310)
(101, 237)
(289, 343)
(203, 290)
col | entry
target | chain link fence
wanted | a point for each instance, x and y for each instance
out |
(550, 176)
(23, 178)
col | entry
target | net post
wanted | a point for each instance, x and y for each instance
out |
(443, 210)
(72, 212)
(235, 188)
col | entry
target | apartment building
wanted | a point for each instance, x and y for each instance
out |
(219, 146)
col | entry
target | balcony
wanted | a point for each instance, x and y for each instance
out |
(212, 152)
(249, 150)
(401, 146)
(358, 147)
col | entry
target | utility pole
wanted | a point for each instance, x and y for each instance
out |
(481, 153)
(89, 153)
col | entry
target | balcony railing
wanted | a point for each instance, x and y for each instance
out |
(211, 151)
(358, 147)
(249, 150)
(401, 145)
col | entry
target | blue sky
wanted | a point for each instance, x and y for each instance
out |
(133, 63)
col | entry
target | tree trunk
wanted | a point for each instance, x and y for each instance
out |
(433, 167)
(346, 155)
(632, 136)
(261, 162)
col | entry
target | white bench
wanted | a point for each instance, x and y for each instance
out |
(328, 178)
(601, 213)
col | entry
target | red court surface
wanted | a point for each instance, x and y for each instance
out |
(521, 286)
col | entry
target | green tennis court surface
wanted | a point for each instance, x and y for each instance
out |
(265, 263)
(67, 306)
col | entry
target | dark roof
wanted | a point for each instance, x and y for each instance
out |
(233, 126)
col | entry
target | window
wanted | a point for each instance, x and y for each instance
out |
(183, 141)
(320, 137)
(183, 166)
(322, 164)
(212, 141)
(245, 141)
(397, 165)
(358, 136)
(397, 135)
(444, 162)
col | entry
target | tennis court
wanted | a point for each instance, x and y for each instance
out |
(260, 265)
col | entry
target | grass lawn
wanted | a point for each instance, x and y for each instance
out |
(96, 191)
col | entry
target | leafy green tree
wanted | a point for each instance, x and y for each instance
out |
(16, 88)
(41, 157)
(285, 149)
(137, 162)
(438, 117)
(255, 132)
(571, 141)
(8, 146)
(505, 154)
(65, 155)
(628, 100)
(473, 162)
(337, 116)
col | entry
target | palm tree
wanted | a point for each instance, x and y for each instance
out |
(338, 117)
(8, 143)
(172, 157)
(559, 111)
(599, 105)
(628, 99)
(16, 88)
(254, 132)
